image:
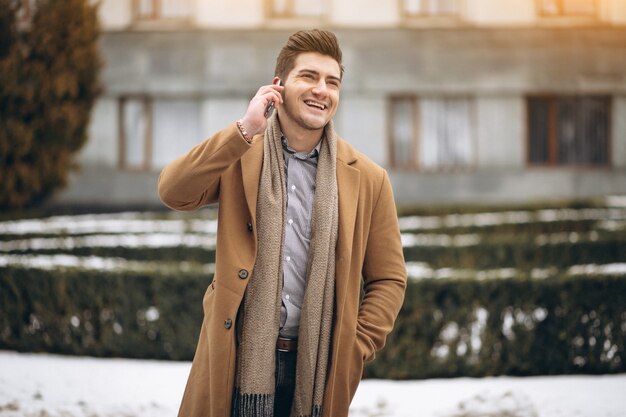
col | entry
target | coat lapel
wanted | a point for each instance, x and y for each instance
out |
(348, 181)
(251, 163)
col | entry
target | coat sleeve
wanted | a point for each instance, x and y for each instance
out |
(384, 274)
(193, 179)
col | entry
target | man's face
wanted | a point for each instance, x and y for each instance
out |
(311, 93)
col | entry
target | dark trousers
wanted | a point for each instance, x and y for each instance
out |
(285, 382)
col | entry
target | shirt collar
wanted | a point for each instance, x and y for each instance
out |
(301, 155)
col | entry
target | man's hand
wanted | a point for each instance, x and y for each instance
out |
(254, 121)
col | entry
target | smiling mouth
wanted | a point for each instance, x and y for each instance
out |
(315, 105)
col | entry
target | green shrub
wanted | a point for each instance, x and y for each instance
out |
(97, 313)
(516, 327)
(446, 328)
(49, 70)
(523, 255)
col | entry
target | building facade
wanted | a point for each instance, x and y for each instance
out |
(460, 100)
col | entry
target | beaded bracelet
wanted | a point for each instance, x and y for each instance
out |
(243, 131)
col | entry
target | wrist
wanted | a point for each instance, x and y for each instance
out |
(244, 131)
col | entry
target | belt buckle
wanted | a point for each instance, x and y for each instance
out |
(287, 350)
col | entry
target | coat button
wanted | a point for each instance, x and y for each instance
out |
(228, 323)
(249, 227)
(243, 274)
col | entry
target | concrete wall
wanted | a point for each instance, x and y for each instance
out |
(364, 13)
(500, 13)
(613, 11)
(115, 14)
(217, 112)
(502, 186)
(102, 148)
(618, 135)
(378, 63)
(496, 66)
(362, 122)
(500, 132)
(230, 13)
(251, 14)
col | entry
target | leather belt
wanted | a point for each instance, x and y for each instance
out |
(286, 345)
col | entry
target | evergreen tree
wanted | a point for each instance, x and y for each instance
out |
(48, 84)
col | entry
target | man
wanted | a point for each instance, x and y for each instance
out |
(307, 225)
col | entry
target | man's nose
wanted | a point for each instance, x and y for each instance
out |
(320, 88)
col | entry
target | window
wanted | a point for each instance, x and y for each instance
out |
(135, 123)
(568, 130)
(296, 8)
(567, 7)
(403, 133)
(162, 9)
(431, 133)
(419, 8)
(153, 132)
(176, 129)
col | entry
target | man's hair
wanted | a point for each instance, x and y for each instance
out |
(315, 40)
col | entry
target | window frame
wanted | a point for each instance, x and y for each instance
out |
(553, 147)
(541, 12)
(429, 14)
(147, 107)
(414, 160)
(290, 15)
(138, 16)
(157, 14)
(425, 19)
(413, 163)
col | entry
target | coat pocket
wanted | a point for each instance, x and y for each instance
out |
(356, 368)
(364, 346)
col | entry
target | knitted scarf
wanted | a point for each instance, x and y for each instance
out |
(260, 314)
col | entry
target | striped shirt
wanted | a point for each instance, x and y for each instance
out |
(300, 172)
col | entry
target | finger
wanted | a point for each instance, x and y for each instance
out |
(264, 96)
(276, 97)
(271, 87)
(271, 97)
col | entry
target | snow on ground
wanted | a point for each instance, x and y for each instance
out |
(612, 217)
(422, 270)
(52, 262)
(42, 385)
(152, 240)
(486, 219)
(130, 222)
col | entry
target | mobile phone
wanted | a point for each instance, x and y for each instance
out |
(270, 107)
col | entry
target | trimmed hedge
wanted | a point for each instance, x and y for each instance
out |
(446, 327)
(530, 327)
(99, 313)
(522, 255)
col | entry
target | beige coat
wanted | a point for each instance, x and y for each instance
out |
(226, 168)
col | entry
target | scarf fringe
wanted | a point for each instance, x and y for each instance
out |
(244, 405)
